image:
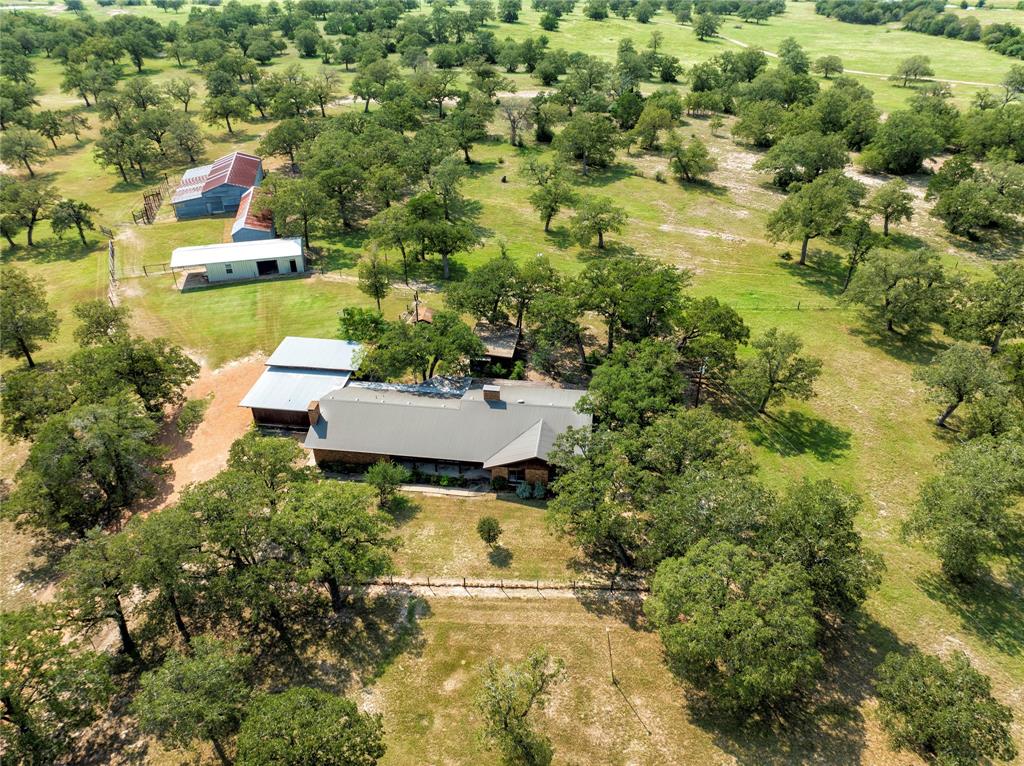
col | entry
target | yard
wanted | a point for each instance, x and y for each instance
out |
(869, 427)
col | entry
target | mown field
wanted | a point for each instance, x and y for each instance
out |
(869, 426)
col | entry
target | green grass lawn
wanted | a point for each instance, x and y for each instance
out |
(440, 540)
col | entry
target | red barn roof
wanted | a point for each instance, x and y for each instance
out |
(237, 168)
(246, 217)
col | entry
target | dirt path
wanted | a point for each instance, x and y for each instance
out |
(872, 74)
(204, 453)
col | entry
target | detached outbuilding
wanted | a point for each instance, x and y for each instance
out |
(216, 188)
(501, 341)
(236, 261)
(300, 371)
(251, 223)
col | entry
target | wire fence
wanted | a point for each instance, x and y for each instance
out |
(615, 584)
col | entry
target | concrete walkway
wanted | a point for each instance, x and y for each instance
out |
(430, 489)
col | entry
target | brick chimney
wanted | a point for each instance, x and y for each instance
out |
(492, 393)
(313, 411)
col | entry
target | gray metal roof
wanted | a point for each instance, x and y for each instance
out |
(292, 389)
(404, 423)
(315, 354)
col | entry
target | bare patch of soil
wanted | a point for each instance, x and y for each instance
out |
(204, 452)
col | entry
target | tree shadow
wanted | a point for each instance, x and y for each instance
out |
(995, 245)
(355, 646)
(916, 348)
(45, 555)
(824, 272)
(52, 250)
(124, 187)
(987, 609)
(336, 259)
(625, 607)
(402, 509)
(560, 236)
(827, 725)
(605, 176)
(901, 241)
(478, 168)
(499, 556)
(115, 738)
(802, 434)
(611, 249)
(705, 185)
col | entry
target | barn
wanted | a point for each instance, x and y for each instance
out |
(251, 224)
(216, 188)
(236, 261)
(300, 371)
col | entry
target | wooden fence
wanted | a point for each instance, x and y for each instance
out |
(151, 202)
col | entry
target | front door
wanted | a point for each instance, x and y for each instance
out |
(293, 266)
(266, 268)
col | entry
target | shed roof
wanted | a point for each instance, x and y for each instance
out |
(408, 423)
(237, 169)
(292, 389)
(236, 252)
(500, 340)
(315, 354)
(247, 218)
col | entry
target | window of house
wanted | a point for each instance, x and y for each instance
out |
(228, 269)
(516, 474)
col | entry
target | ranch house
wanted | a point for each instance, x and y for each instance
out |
(449, 426)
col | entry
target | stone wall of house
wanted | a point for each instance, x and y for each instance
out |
(535, 473)
(341, 456)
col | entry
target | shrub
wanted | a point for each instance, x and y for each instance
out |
(191, 415)
(518, 371)
(523, 491)
(489, 530)
(386, 477)
(539, 491)
(499, 484)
